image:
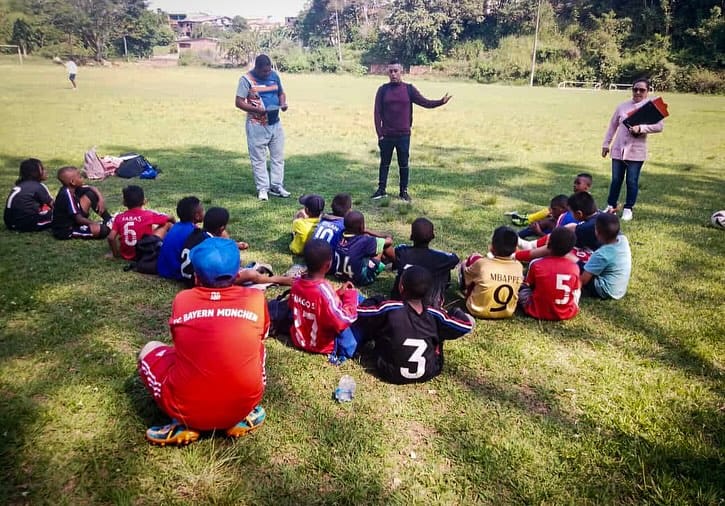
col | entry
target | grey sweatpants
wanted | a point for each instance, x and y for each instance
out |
(260, 139)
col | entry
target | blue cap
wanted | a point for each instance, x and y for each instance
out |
(215, 259)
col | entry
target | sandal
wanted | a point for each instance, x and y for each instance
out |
(252, 421)
(172, 434)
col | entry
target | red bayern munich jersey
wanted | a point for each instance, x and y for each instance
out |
(555, 284)
(218, 375)
(320, 313)
(132, 225)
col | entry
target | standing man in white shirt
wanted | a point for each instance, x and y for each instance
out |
(72, 69)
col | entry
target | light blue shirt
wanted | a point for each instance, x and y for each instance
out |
(611, 266)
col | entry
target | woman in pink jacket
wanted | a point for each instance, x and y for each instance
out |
(629, 150)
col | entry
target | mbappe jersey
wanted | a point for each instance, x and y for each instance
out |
(492, 286)
(218, 376)
(408, 345)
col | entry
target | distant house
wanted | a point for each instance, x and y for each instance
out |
(184, 24)
(265, 24)
(201, 45)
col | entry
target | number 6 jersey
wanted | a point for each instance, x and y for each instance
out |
(408, 345)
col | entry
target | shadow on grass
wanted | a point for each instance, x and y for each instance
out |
(63, 298)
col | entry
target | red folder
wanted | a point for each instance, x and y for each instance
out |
(653, 111)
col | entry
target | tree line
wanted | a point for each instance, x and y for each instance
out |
(679, 44)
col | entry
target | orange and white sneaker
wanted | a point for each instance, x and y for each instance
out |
(174, 434)
(251, 422)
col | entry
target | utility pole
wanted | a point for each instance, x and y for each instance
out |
(339, 41)
(536, 42)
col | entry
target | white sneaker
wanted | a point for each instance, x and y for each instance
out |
(627, 215)
(526, 245)
(610, 209)
(262, 195)
(279, 192)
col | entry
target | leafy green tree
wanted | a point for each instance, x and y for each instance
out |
(602, 45)
(707, 46)
(239, 24)
(142, 34)
(24, 36)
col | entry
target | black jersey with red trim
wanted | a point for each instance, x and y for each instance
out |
(408, 345)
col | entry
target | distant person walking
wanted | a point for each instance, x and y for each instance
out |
(260, 94)
(629, 150)
(72, 69)
(393, 120)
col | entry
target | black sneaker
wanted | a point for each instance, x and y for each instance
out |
(379, 194)
(404, 196)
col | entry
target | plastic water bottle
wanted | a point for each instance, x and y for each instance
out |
(345, 390)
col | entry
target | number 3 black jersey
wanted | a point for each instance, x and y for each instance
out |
(408, 345)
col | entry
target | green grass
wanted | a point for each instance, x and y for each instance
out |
(623, 404)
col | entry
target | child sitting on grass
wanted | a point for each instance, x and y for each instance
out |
(215, 225)
(305, 221)
(358, 256)
(582, 183)
(29, 207)
(551, 288)
(409, 334)
(73, 205)
(131, 225)
(491, 283)
(331, 226)
(190, 212)
(585, 212)
(321, 315)
(540, 228)
(213, 377)
(606, 274)
(438, 263)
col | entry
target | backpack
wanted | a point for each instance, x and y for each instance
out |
(280, 315)
(147, 254)
(133, 166)
(92, 165)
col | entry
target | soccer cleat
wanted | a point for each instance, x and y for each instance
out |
(262, 195)
(517, 219)
(404, 196)
(379, 194)
(279, 192)
(627, 214)
(252, 421)
(173, 434)
(295, 271)
(264, 269)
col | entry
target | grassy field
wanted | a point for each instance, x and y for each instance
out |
(623, 405)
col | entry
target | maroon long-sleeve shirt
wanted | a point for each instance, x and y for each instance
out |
(393, 109)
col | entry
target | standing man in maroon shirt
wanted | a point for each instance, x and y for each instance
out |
(393, 119)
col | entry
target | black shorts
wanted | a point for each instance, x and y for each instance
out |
(80, 232)
(32, 223)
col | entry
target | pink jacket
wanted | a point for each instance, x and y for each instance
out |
(626, 146)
